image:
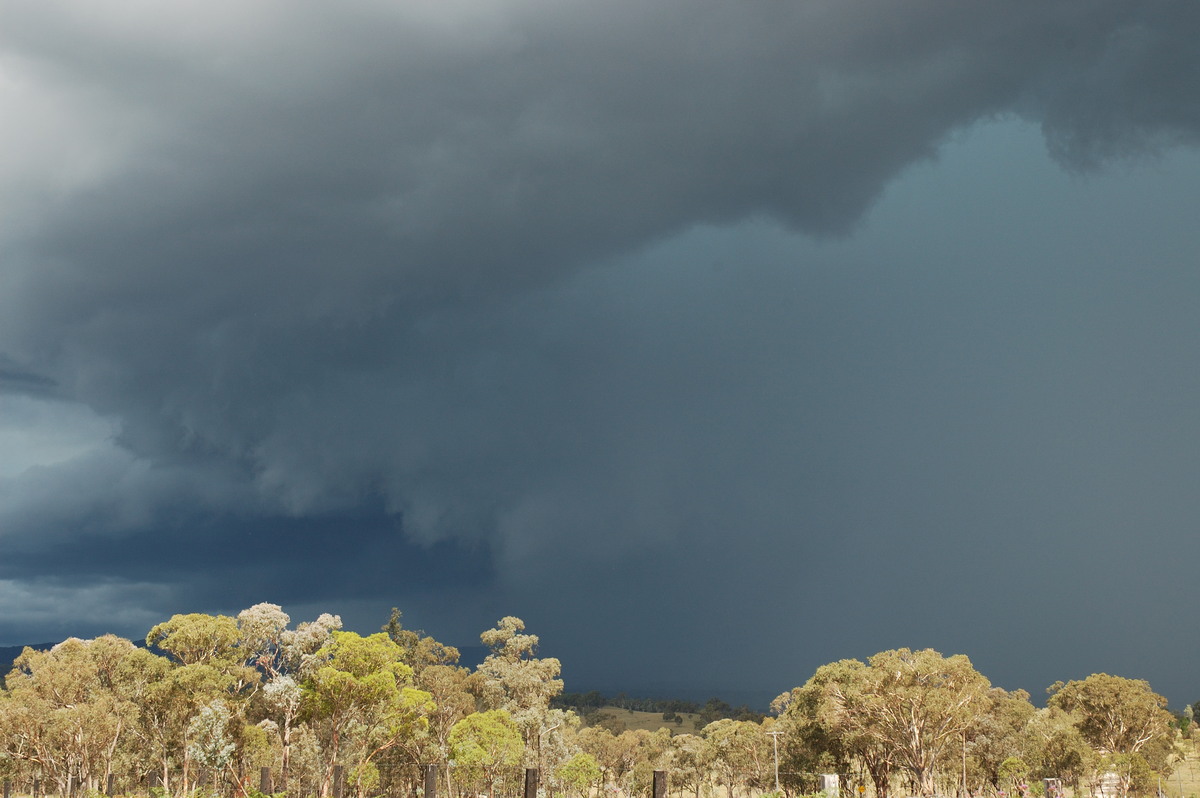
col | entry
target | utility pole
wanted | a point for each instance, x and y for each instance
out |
(775, 743)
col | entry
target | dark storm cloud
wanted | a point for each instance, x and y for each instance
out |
(326, 273)
(17, 380)
(230, 562)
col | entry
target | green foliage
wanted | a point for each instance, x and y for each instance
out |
(196, 638)
(1115, 715)
(579, 773)
(420, 650)
(236, 694)
(486, 740)
(1057, 749)
(363, 657)
(364, 777)
(485, 743)
(1133, 772)
(212, 746)
(1013, 772)
(364, 687)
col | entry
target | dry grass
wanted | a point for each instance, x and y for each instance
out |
(1185, 781)
(650, 721)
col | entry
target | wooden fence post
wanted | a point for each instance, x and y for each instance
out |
(431, 781)
(339, 781)
(660, 784)
(531, 782)
(264, 781)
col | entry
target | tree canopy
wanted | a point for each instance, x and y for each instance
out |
(215, 697)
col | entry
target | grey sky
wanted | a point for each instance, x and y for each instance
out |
(739, 337)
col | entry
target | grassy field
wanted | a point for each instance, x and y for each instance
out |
(1183, 783)
(650, 721)
(1185, 780)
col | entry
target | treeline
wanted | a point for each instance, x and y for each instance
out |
(211, 701)
(712, 709)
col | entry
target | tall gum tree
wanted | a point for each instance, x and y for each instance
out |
(998, 734)
(484, 744)
(515, 679)
(1125, 722)
(261, 629)
(1115, 715)
(819, 733)
(67, 710)
(363, 688)
(910, 708)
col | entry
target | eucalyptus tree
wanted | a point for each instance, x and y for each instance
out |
(822, 734)
(691, 761)
(484, 744)
(1056, 749)
(1000, 733)
(420, 650)
(579, 774)
(210, 743)
(1124, 722)
(213, 641)
(452, 689)
(515, 679)
(365, 690)
(261, 631)
(616, 754)
(902, 709)
(602, 745)
(169, 705)
(651, 752)
(65, 711)
(741, 753)
(1117, 715)
(302, 647)
(196, 638)
(283, 697)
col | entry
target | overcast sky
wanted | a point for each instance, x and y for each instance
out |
(717, 340)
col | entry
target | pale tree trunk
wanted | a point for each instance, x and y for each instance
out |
(924, 779)
(335, 744)
(285, 760)
(881, 777)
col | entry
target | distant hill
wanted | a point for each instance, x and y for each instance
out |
(656, 709)
(619, 720)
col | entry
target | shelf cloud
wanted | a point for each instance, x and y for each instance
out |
(398, 302)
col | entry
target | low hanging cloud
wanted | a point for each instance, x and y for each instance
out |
(304, 260)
